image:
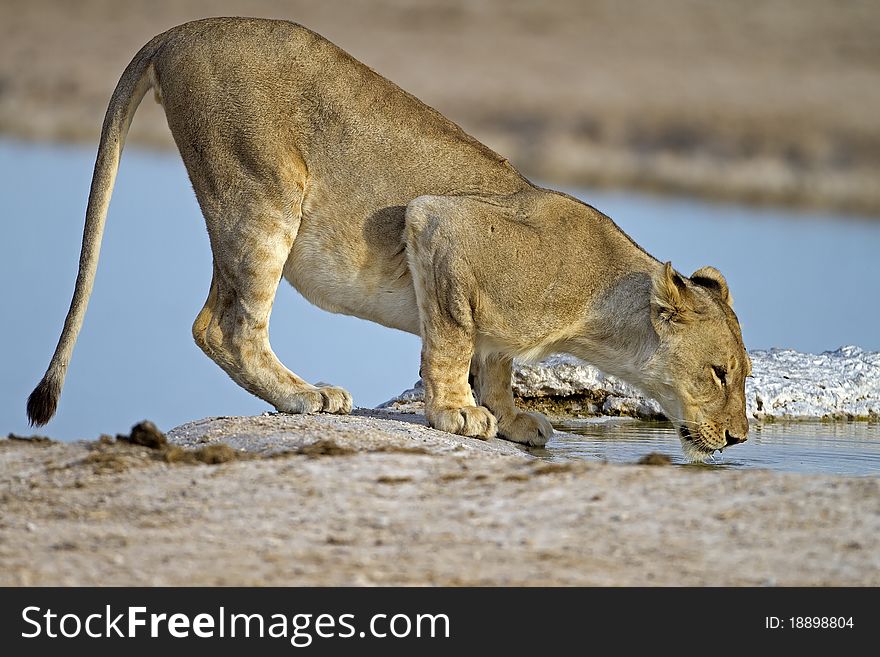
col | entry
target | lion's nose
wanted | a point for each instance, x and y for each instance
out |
(734, 440)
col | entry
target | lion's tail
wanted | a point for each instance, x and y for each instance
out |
(130, 90)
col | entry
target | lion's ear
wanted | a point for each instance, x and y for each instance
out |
(671, 301)
(711, 278)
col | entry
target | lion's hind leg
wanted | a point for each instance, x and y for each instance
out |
(233, 327)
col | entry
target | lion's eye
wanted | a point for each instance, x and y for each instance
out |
(721, 373)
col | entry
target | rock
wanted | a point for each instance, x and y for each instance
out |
(655, 458)
(145, 434)
(365, 430)
(841, 384)
(785, 384)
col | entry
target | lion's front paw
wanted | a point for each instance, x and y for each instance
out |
(476, 421)
(322, 399)
(528, 428)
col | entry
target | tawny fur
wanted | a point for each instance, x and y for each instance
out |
(310, 166)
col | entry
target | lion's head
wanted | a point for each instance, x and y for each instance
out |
(701, 364)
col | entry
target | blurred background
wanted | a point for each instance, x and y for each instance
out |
(744, 135)
(762, 100)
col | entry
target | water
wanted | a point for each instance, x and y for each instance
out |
(806, 281)
(816, 448)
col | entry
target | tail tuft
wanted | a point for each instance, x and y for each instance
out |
(43, 401)
(129, 91)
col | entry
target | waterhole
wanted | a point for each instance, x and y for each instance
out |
(848, 448)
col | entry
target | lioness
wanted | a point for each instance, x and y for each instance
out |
(309, 165)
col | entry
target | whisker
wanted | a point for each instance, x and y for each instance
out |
(682, 421)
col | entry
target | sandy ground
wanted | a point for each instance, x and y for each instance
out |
(774, 101)
(379, 498)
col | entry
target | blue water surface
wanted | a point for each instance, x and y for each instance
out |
(802, 280)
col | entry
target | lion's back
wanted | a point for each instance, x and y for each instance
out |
(273, 77)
